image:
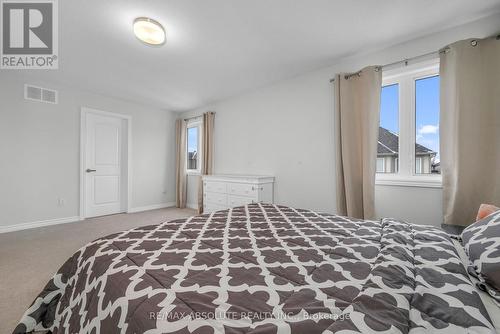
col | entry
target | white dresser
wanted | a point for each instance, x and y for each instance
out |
(227, 191)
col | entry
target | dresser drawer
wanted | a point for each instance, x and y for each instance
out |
(243, 189)
(215, 198)
(215, 187)
(233, 201)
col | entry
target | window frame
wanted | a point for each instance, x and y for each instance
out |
(194, 123)
(406, 77)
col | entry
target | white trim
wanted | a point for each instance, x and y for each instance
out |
(194, 123)
(406, 173)
(386, 145)
(40, 223)
(410, 183)
(83, 132)
(418, 165)
(152, 207)
(235, 178)
(422, 180)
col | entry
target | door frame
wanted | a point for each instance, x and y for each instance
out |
(126, 172)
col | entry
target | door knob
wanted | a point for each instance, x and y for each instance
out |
(90, 170)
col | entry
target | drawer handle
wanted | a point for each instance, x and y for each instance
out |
(259, 188)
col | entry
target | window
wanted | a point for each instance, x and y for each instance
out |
(408, 138)
(380, 165)
(427, 125)
(388, 131)
(193, 145)
(418, 165)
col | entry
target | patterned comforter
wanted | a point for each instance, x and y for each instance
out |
(263, 269)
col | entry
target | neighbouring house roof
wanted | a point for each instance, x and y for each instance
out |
(388, 144)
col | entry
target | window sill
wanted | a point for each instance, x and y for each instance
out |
(194, 173)
(415, 181)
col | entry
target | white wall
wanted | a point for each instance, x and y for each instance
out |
(414, 204)
(40, 158)
(287, 130)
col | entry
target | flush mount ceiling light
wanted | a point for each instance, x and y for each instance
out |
(149, 31)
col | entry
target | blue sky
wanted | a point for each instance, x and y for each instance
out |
(427, 111)
(192, 139)
(389, 116)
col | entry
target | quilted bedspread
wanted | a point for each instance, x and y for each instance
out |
(263, 268)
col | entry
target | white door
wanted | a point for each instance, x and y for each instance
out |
(103, 165)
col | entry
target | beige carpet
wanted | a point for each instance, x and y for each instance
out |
(29, 258)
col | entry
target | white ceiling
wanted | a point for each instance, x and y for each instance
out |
(219, 48)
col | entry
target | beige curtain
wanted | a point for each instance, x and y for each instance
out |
(180, 158)
(207, 153)
(357, 100)
(470, 128)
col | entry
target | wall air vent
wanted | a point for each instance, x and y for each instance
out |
(40, 94)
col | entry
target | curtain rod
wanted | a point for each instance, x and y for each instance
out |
(403, 61)
(473, 42)
(197, 116)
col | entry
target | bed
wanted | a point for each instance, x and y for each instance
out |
(263, 268)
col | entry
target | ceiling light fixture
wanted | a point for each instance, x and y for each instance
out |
(149, 31)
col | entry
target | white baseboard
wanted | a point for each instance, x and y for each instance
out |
(41, 223)
(193, 206)
(152, 207)
(65, 220)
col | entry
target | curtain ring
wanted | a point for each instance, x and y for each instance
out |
(473, 42)
(348, 76)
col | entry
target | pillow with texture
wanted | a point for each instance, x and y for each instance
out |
(481, 242)
(485, 210)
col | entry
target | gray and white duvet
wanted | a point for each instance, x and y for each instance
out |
(263, 269)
